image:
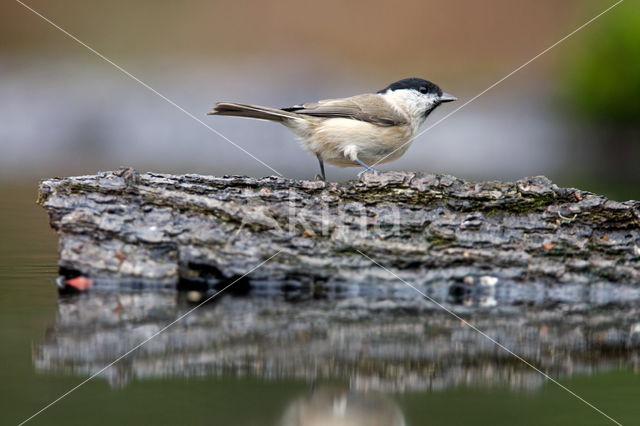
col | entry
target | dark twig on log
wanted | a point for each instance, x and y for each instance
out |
(440, 233)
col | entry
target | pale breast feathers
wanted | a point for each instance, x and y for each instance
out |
(370, 108)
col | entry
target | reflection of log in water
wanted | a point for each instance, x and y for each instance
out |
(374, 344)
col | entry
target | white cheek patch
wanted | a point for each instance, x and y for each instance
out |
(412, 102)
(417, 102)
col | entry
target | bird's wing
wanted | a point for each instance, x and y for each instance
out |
(371, 108)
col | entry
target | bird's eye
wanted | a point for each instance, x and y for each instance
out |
(423, 89)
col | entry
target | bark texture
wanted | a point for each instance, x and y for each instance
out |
(473, 242)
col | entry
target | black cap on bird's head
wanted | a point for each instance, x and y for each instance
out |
(420, 85)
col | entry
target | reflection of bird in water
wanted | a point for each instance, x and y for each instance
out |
(332, 406)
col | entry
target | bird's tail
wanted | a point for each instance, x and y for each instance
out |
(252, 111)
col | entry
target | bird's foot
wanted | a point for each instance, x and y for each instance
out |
(320, 178)
(368, 169)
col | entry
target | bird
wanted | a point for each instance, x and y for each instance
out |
(362, 130)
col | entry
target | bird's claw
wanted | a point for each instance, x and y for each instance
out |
(368, 169)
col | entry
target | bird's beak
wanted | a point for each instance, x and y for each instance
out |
(447, 97)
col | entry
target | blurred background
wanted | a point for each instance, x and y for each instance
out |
(571, 115)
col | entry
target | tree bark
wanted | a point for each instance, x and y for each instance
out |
(436, 232)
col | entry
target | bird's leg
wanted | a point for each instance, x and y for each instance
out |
(323, 177)
(367, 168)
(351, 152)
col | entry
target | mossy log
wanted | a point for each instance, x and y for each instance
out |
(442, 234)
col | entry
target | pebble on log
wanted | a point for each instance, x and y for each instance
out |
(437, 232)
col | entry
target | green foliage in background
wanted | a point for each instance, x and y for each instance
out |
(604, 77)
